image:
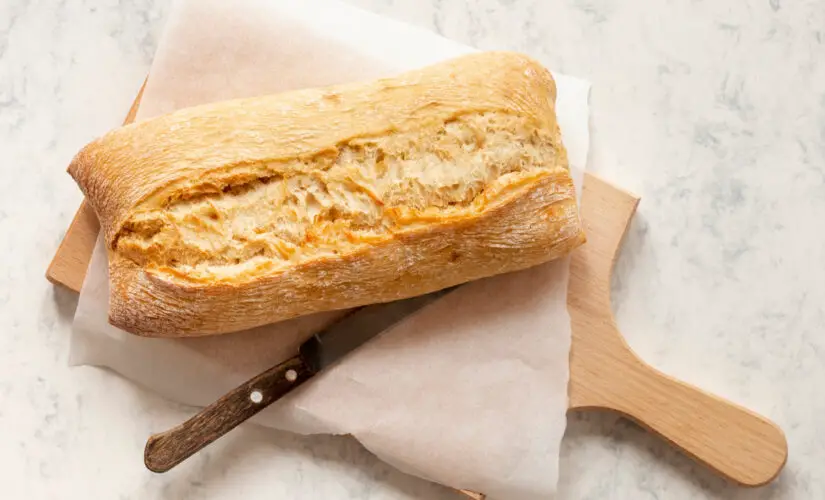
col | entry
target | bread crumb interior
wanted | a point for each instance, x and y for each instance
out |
(360, 192)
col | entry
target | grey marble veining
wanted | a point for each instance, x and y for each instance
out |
(712, 111)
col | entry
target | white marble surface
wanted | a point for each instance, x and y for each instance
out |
(712, 111)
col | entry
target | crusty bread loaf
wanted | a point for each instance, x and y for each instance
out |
(235, 214)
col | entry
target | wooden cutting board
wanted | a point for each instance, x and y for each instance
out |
(605, 373)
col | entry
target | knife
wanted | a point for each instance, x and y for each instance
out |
(167, 449)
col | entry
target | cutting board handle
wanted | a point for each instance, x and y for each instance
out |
(738, 444)
(606, 374)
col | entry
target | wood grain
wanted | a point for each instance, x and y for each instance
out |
(68, 267)
(604, 372)
(69, 264)
(166, 450)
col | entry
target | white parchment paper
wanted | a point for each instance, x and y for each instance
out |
(471, 392)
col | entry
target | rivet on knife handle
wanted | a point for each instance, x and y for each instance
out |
(167, 449)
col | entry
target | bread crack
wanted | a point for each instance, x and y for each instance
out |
(364, 190)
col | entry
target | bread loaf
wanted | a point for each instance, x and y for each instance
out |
(235, 214)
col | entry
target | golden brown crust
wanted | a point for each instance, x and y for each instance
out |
(134, 177)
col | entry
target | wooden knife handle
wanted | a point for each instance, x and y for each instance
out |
(167, 449)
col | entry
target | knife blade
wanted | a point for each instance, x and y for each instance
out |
(167, 449)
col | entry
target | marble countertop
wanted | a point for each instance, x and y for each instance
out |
(712, 111)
